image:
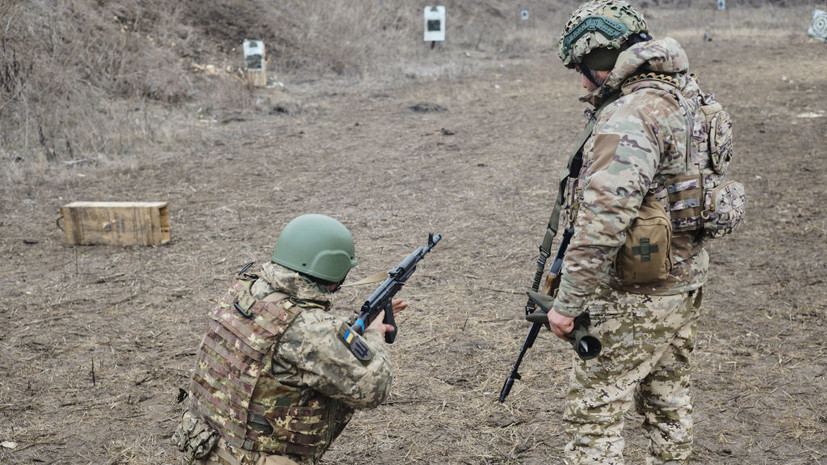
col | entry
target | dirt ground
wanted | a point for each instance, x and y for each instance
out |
(96, 340)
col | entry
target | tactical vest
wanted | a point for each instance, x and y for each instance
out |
(703, 199)
(234, 390)
(690, 207)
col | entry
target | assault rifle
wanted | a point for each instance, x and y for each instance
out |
(586, 345)
(382, 298)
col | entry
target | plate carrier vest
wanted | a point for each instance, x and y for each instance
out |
(234, 390)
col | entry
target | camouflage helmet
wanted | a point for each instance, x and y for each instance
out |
(602, 26)
(316, 245)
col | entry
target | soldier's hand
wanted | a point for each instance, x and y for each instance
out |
(398, 306)
(559, 324)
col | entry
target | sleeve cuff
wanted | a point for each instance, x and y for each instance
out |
(568, 305)
(374, 338)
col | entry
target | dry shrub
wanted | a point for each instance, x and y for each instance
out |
(75, 74)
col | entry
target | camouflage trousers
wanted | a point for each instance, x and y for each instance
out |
(647, 341)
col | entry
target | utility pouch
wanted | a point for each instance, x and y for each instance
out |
(646, 256)
(724, 208)
(194, 437)
(699, 202)
(719, 127)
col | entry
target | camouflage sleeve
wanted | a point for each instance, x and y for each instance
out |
(621, 158)
(312, 354)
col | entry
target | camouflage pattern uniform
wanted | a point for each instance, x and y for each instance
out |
(639, 141)
(303, 394)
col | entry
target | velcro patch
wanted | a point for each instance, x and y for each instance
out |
(355, 343)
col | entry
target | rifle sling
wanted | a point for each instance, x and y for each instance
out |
(575, 162)
(554, 220)
(370, 279)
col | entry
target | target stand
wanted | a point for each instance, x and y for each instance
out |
(818, 29)
(254, 65)
(435, 25)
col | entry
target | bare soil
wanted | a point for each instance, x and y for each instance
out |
(96, 340)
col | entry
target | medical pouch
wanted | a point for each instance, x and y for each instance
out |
(646, 256)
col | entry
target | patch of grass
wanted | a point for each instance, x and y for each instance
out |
(91, 81)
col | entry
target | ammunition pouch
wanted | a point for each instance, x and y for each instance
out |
(194, 437)
(646, 256)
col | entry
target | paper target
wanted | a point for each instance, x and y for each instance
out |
(818, 30)
(434, 24)
(253, 55)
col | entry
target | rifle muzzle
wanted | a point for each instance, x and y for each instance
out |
(586, 345)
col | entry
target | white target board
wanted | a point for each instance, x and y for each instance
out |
(434, 24)
(253, 55)
(722, 4)
(818, 30)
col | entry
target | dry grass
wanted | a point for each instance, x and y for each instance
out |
(210, 145)
(92, 81)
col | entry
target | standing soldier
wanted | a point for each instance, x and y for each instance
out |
(275, 382)
(636, 263)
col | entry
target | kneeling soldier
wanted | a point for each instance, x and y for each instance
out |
(275, 382)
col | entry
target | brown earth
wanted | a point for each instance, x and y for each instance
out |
(96, 340)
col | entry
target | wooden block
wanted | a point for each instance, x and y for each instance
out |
(115, 223)
(257, 78)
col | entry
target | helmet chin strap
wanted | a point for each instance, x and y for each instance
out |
(323, 284)
(589, 75)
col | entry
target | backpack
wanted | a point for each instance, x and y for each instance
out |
(704, 199)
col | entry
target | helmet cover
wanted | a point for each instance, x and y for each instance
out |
(598, 24)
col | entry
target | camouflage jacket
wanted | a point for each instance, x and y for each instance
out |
(311, 354)
(639, 141)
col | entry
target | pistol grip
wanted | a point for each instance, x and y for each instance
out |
(390, 336)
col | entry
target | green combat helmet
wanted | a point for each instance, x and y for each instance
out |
(318, 246)
(598, 31)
